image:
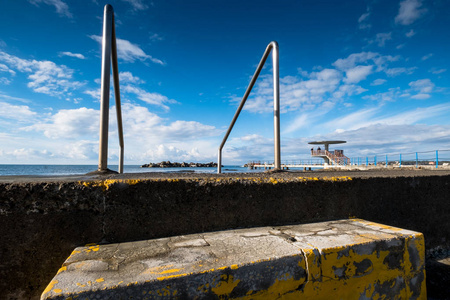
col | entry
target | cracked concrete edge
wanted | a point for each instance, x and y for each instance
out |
(289, 268)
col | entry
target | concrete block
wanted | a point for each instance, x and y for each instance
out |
(343, 259)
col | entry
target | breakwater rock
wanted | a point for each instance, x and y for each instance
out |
(168, 164)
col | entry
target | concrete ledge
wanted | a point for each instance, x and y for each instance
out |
(344, 259)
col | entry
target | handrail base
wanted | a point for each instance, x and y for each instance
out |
(102, 172)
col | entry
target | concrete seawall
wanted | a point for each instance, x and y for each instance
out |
(42, 221)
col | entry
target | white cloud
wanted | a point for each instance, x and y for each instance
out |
(96, 94)
(129, 52)
(69, 124)
(363, 17)
(428, 56)
(128, 77)
(155, 37)
(357, 74)
(409, 12)
(410, 33)
(4, 68)
(363, 20)
(423, 88)
(46, 77)
(392, 72)
(20, 113)
(376, 116)
(391, 95)
(382, 139)
(438, 71)
(29, 154)
(76, 55)
(137, 4)
(5, 81)
(61, 7)
(381, 38)
(150, 98)
(52, 79)
(378, 81)
(129, 85)
(81, 150)
(7, 97)
(172, 153)
(73, 134)
(295, 92)
(355, 59)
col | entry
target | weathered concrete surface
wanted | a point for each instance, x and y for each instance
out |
(344, 259)
(43, 219)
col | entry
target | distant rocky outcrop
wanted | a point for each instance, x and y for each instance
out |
(168, 164)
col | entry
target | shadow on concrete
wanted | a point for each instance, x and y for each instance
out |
(438, 279)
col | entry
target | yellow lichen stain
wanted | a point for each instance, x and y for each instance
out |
(73, 253)
(50, 286)
(91, 247)
(106, 184)
(225, 285)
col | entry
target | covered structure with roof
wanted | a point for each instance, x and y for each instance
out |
(335, 157)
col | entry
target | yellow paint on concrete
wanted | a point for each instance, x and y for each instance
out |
(332, 273)
(100, 280)
(225, 285)
(170, 271)
(64, 268)
(171, 276)
(57, 291)
(387, 227)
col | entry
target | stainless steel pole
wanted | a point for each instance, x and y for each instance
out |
(115, 70)
(105, 78)
(219, 161)
(276, 106)
(272, 45)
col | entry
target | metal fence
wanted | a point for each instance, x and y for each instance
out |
(433, 159)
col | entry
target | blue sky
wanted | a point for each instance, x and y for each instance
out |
(373, 73)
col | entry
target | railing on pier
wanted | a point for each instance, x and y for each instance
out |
(432, 158)
(425, 159)
(276, 105)
(109, 57)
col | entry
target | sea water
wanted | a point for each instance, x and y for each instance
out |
(63, 170)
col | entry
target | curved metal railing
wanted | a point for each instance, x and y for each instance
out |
(109, 57)
(276, 105)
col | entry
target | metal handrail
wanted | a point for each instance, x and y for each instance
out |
(276, 105)
(109, 57)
